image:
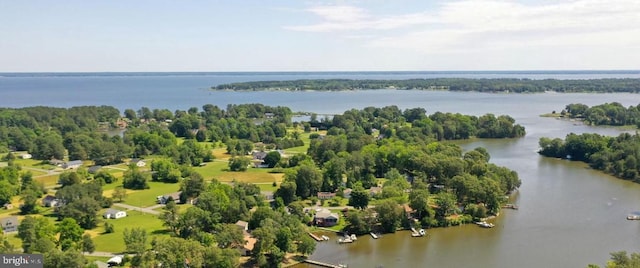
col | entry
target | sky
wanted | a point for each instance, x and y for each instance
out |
(301, 35)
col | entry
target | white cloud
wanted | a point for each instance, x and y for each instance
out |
(478, 25)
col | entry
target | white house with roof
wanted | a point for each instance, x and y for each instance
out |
(138, 162)
(114, 214)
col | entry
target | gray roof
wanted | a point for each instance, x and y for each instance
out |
(74, 162)
(111, 211)
(325, 213)
(9, 221)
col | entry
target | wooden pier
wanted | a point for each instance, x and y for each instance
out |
(317, 238)
(323, 264)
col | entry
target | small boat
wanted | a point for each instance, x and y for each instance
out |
(511, 206)
(353, 237)
(373, 235)
(485, 224)
(415, 235)
(422, 232)
(345, 240)
(633, 217)
(325, 238)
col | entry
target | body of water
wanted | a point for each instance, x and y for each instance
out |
(569, 215)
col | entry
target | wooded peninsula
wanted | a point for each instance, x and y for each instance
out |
(212, 184)
(617, 156)
(630, 85)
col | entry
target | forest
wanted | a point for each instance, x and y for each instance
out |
(608, 114)
(451, 84)
(402, 153)
(617, 156)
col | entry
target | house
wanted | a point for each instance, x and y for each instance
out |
(50, 201)
(326, 195)
(7, 206)
(138, 162)
(9, 224)
(245, 250)
(26, 156)
(114, 214)
(72, 164)
(115, 261)
(269, 115)
(163, 199)
(94, 169)
(375, 190)
(326, 218)
(346, 193)
(259, 155)
(243, 225)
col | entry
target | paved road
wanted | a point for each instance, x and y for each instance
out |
(130, 207)
(100, 254)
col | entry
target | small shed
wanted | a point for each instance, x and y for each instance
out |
(114, 214)
(26, 156)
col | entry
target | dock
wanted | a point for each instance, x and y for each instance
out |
(511, 206)
(317, 238)
(324, 264)
(373, 235)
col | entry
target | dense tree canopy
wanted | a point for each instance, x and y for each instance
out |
(617, 156)
(453, 84)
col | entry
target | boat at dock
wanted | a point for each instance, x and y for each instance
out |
(345, 240)
(375, 236)
(325, 238)
(485, 224)
(353, 237)
(420, 233)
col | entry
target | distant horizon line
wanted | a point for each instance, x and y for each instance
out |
(329, 72)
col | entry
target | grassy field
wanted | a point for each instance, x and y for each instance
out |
(114, 242)
(145, 198)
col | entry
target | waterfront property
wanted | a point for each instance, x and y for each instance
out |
(326, 218)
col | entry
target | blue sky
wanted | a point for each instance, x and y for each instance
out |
(298, 35)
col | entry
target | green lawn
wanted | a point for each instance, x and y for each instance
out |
(50, 180)
(114, 242)
(268, 187)
(218, 170)
(145, 198)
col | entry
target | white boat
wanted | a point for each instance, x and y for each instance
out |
(485, 224)
(373, 235)
(422, 232)
(353, 237)
(345, 240)
(325, 238)
(633, 217)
